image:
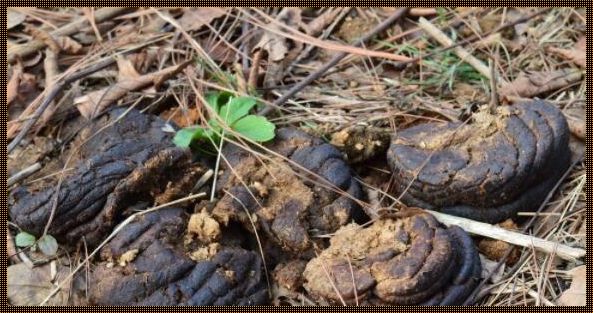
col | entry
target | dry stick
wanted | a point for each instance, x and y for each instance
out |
(51, 95)
(512, 237)
(26, 172)
(474, 38)
(72, 28)
(507, 253)
(493, 92)
(463, 54)
(337, 58)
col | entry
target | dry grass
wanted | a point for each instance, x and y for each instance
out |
(366, 88)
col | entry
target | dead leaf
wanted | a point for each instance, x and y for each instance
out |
(21, 85)
(68, 45)
(14, 18)
(12, 88)
(488, 266)
(277, 46)
(577, 127)
(143, 60)
(95, 102)
(30, 286)
(182, 118)
(531, 84)
(195, 18)
(126, 70)
(318, 24)
(44, 36)
(578, 54)
(576, 294)
(219, 52)
(274, 44)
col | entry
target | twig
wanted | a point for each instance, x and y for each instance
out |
(254, 70)
(52, 94)
(335, 60)
(507, 253)
(463, 54)
(493, 91)
(11, 248)
(515, 238)
(71, 28)
(24, 173)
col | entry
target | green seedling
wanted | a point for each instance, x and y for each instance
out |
(234, 113)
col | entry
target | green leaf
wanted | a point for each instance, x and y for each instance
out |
(217, 99)
(184, 137)
(24, 239)
(236, 109)
(48, 245)
(256, 128)
(212, 101)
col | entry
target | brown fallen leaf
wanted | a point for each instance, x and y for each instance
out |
(576, 294)
(68, 45)
(12, 88)
(531, 84)
(578, 54)
(318, 24)
(44, 36)
(21, 85)
(126, 69)
(14, 18)
(195, 18)
(488, 266)
(93, 103)
(30, 286)
(143, 59)
(577, 127)
(277, 46)
(182, 118)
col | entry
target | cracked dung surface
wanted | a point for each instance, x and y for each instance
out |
(406, 261)
(488, 170)
(130, 164)
(283, 205)
(161, 273)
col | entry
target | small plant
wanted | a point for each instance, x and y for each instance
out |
(233, 112)
(47, 244)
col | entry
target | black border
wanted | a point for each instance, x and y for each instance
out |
(588, 155)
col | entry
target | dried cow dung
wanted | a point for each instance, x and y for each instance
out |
(268, 193)
(405, 261)
(487, 170)
(157, 271)
(124, 161)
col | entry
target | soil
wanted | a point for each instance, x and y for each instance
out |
(487, 170)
